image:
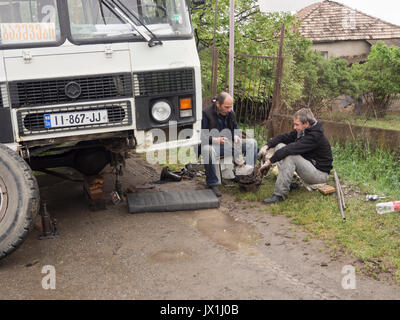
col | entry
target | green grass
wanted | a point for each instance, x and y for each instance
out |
(373, 171)
(372, 238)
(391, 121)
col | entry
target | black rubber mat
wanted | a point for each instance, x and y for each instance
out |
(172, 201)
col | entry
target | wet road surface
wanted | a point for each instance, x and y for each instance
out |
(235, 252)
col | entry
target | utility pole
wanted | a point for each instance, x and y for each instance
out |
(214, 67)
(231, 47)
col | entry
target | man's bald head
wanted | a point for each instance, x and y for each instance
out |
(224, 103)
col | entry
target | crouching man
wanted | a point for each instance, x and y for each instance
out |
(220, 138)
(305, 150)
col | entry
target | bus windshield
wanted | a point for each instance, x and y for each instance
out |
(28, 22)
(92, 19)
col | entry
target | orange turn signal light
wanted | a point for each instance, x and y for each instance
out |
(185, 104)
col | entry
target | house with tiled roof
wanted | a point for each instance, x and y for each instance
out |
(337, 30)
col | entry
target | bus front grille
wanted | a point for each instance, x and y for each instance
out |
(163, 82)
(44, 92)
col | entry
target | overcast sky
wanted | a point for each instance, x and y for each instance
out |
(388, 10)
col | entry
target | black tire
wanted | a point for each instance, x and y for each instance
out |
(19, 200)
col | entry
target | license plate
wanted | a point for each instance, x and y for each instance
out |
(81, 118)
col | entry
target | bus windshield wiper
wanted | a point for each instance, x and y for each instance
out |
(128, 16)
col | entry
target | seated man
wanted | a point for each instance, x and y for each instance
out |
(220, 138)
(305, 150)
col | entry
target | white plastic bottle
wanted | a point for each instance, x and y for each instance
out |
(387, 207)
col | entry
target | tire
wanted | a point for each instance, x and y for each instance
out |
(19, 200)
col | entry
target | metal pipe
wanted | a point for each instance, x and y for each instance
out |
(339, 194)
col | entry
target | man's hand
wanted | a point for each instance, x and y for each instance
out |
(265, 168)
(262, 153)
(236, 139)
(220, 140)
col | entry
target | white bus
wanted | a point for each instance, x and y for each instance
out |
(82, 82)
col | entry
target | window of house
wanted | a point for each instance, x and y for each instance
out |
(324, 54)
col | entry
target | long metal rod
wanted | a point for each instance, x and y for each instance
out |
(339, 194)
(342, 195)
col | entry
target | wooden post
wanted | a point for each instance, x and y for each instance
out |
(276, 102)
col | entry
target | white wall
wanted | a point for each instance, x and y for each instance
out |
(344, 48)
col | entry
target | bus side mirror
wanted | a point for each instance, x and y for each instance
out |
(198, 2)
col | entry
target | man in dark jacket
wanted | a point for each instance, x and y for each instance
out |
(305, 150)
(220, 137)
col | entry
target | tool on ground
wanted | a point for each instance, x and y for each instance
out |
(327, 189)
(49, 225)
(167, 175)
(339, 191)
(373, 197)
(188, 172)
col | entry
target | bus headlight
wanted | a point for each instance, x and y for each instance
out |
(161, 111)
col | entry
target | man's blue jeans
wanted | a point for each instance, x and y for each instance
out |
(212, 154)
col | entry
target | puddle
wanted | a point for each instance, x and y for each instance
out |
(171, 256)
(226, 231)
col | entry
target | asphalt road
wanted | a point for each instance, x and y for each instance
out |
(235, 252)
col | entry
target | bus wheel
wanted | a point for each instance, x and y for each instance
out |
(19, 200)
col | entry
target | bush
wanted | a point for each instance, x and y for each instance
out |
(379, 77)
(324, 80)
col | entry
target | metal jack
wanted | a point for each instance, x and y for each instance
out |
(116, 195)
(49, 225)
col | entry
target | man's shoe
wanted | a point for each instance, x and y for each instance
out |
(216, 191)
(272, 199)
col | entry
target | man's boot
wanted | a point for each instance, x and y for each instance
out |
(216, 191)
(272, 199)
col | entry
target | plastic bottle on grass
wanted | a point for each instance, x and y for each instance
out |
(387, 207)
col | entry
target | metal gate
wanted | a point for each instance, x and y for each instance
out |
(257, 87)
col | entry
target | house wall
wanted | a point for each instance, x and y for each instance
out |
(344, 48)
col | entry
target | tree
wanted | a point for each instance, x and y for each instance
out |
(379, 77)
(308, 78)
(324, 80)
(256, 33)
